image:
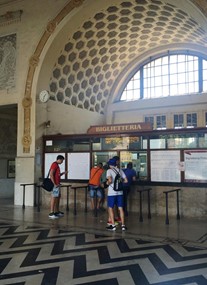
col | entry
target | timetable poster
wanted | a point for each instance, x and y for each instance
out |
(165, 166)
(195, 165)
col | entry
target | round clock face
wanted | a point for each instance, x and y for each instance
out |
(44, 96)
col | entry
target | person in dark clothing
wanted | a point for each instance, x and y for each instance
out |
(104, 186)
(131, 177)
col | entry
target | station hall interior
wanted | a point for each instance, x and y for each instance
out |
(92, 79)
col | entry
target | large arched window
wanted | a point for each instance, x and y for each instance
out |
(171, 75)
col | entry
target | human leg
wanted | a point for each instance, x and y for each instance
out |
(102, 200)
(54, 202)
(125, 195)
(57, 208)
(110, 204)
(52, 213)
(99, 197)
(92, 195)
(120, 204)
(121, 212)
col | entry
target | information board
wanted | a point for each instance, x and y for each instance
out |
(195, 163)
(79, 166)
(165, 166)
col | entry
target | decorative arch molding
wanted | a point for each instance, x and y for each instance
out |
(202, 5)
(34, 60)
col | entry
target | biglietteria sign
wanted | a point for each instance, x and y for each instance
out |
(121, 128)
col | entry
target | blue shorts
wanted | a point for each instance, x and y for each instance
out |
(55, 192)
(115, 200)
(95, 190)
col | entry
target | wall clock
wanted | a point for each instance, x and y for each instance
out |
(44, 96)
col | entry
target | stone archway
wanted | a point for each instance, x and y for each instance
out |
(27, 100)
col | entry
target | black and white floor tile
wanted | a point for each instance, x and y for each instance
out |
(37, 255)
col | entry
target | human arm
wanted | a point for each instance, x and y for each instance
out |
(123, 175)
(52, 176)
(109, 180)
(64, 172)
(125, 180)
(108, 177)
(134, 177)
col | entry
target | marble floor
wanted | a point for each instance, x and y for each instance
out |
(74, 250)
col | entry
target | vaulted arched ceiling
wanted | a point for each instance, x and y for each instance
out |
(109, 40)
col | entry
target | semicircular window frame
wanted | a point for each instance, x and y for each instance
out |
(174, 74)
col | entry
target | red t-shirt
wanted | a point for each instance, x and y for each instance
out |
(56, 170)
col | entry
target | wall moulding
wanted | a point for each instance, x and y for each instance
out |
(202, 5)
(10, 17)
(27, 102)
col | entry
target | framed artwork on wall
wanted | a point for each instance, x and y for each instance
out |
(11, 168)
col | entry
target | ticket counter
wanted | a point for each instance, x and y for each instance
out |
(162, 159)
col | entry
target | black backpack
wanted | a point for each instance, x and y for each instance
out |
(118, 182)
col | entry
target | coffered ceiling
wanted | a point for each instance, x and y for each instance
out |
(110, 40)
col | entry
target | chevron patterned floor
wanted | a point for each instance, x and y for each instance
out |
(36, 251)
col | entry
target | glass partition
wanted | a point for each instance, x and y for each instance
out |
(202, 140)
(117, 143)
(176, 141)
(139, 161)
(103, 157)
(182, 141)
(157, 143)
(67, 145)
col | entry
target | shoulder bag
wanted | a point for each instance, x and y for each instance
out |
(47, 183)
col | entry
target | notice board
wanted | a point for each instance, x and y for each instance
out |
(79, 166)
(165, 166)
(195, 163)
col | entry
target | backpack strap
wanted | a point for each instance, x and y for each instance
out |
(117, 173)
(94, 175)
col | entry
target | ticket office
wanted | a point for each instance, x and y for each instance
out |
(81, 153)
(172, 156)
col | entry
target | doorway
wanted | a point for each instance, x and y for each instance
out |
(8, 151)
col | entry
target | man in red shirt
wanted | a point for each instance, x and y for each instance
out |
(55, 194)
(94, 185)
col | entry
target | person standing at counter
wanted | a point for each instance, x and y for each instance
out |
(94, 185)
(103, 185)
(56, 194)
(131, 177)
(115, 197)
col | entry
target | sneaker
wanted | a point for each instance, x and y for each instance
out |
(111, 228)
(124, 228)
(110, 223)
(53, 216)
(59, 214)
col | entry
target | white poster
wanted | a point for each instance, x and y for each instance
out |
(49, 159)
(165, 166)
(195, 165)
(79, 166)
